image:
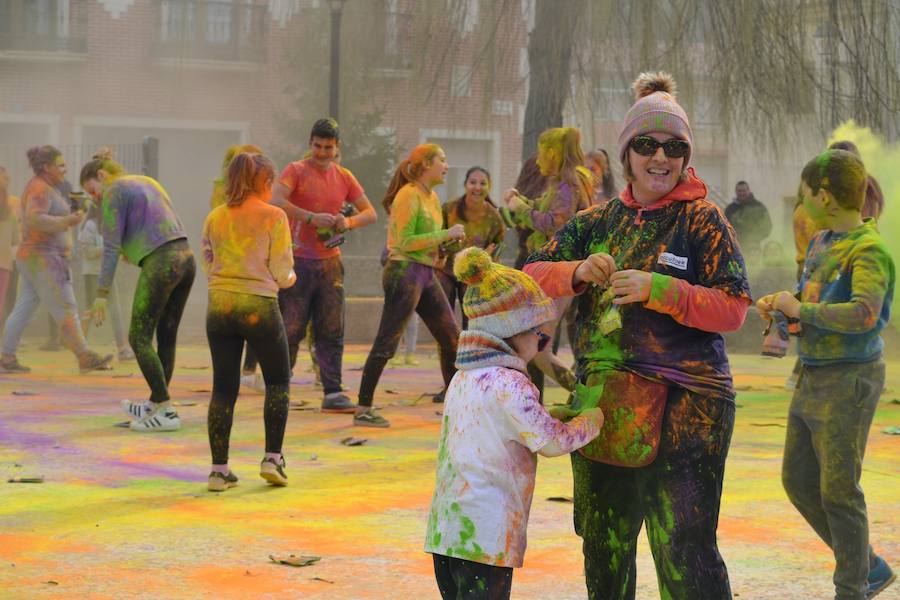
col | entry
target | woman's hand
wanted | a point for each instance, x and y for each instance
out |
(514, 200)
(457, 232)
(596, 268)
(765, 305)
(630, 286)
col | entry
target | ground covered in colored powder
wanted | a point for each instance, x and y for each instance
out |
(127, 515)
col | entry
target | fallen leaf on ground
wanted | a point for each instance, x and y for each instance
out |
(391, 392)
(38, 479)
(123, 375)
(195, 367)
(565, 499)
(767, 424)
(201, 391)
(353, 441)
(893, 430)
(295, 561)
(51, 582)
(320, 579)
(23, 393)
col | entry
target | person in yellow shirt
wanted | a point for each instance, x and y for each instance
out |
(246, 253)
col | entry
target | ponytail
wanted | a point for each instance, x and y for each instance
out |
(409, 170)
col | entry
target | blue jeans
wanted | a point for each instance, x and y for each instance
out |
(45, 278)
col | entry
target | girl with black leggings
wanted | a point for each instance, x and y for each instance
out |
(247, 256)
(410, 282)
(140, 223)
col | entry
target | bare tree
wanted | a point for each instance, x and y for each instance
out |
(550, 48)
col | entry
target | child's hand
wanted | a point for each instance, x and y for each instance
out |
(788, 304)
(562, 412)
(593, 414)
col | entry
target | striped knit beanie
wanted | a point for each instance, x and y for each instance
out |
(499, 300)
(655, 110)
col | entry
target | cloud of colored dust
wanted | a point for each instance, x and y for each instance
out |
(881, 160)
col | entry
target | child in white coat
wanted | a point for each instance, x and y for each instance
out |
(493, 428)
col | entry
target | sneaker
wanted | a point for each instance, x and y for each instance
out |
(125, 354)
(411, 361)
(12, 365)
(273, 471)
(880, 577)
(161, 420)
(137, 410)
(338, 403)
(50, 346)
(219, 482)
(369, 418)
(254, 382)
(91, 361)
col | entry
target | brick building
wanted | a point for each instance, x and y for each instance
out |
(202, 74)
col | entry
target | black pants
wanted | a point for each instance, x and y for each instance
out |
(827, 430)
(460, 579)
(676, 496)
(454, 290)
(318, 294)
(163, 286)
(231, 320)
(409, 287)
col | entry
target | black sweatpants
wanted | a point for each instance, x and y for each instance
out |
(163, 286)
(455, 290)
(232, 319)
(676, 496)
(460, 579)
(409, 287)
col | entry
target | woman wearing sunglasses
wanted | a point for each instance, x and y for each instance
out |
(665, 260)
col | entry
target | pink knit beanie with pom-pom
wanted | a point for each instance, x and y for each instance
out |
(655, 110)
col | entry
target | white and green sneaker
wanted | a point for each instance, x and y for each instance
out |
(273, 471)
(219, 482)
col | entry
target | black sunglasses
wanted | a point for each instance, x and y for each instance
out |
(543, 339)
(647, 146)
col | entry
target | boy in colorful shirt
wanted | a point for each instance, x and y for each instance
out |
(493, 427)
(846, 289)
(312, 192)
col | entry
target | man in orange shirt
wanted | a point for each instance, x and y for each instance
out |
(312, 192)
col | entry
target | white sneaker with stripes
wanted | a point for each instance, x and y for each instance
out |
(161, 420)
(137, 410)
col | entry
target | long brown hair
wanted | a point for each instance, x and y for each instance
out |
(563, 144)
(248, 174)
(409, 170)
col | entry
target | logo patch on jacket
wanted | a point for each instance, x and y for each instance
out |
(671, 260)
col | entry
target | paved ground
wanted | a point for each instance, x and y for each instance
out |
(125, 515)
